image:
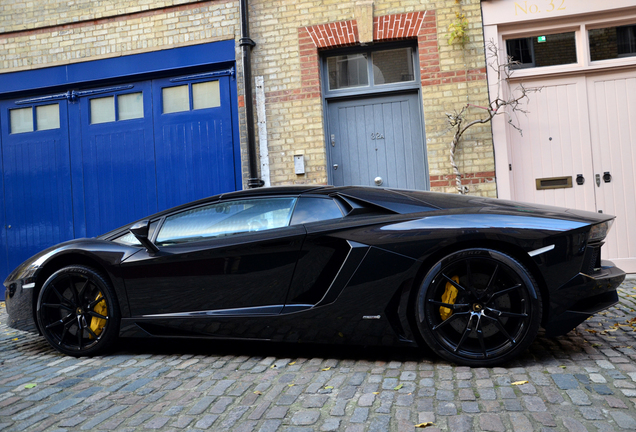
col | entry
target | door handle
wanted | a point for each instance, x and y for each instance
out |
(335, 166)
(598, 180)
(607, 177)
(580, 179)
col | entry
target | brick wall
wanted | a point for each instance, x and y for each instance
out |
(288, 37)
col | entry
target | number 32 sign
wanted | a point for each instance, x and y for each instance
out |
(523, 8)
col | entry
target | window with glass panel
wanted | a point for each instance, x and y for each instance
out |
(21, 120)
(347, 71)
(129, 106)
(314, 210)
(542, 50)
(176, 99)
(370, 68)
(203, 95)
(225, 219)
(47, 117)
(393, 66)
(612, 42)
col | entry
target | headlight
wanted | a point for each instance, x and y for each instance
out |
(599, 231)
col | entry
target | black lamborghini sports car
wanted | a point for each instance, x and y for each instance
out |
(471, 278)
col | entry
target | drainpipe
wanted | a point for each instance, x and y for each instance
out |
(246, 45)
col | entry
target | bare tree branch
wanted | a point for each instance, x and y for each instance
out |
(507, 102)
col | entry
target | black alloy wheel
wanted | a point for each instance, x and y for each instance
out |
(77, 311)
(478, 307)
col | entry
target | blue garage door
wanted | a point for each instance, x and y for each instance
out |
(36, 178)
(193, 138)
(84, 162)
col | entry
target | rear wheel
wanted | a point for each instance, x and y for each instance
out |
(77, 311)
(478, 307)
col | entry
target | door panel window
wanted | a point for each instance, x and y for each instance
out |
(542, 50)
(227, 218)
(21, 120)
(315, 209)
(176, 99)
(612, 42)
(47, 117)
(130, 106)
(206, 95)
(103, 110)
(203, 95)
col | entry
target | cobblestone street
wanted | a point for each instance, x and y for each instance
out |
(585, 380)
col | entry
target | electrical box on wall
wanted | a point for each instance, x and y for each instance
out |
(299, 164)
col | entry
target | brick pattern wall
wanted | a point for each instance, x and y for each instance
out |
(16, 15)
(54, 32)
(125, 34)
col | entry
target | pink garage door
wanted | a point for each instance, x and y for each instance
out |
(580, 127)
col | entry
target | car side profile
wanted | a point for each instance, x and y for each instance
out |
(471, 278)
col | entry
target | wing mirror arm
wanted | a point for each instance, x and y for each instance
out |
(140, 231)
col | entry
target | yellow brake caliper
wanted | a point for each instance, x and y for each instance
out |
(97, 324)
(449, 297)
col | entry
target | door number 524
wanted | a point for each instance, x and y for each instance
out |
(376, 136)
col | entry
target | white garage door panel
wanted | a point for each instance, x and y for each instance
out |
(554, 143)
(612, 105)
(582, 125)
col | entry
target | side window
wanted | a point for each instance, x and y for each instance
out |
(315, 209)
(226, 218)
(130, 240)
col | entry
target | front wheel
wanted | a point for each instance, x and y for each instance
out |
(77, 311)
(478, 307)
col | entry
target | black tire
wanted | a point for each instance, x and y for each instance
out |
(496, 313)
(67, 311)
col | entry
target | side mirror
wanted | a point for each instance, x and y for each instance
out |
(140, 231)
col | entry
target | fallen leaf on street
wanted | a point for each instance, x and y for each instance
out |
(399, 386)
(519, 382)
(424, 425)
(326, 369)
(30, 385)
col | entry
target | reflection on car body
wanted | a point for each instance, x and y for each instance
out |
(471, 278)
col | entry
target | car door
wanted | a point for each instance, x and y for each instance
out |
(327, 260)
(237, 255)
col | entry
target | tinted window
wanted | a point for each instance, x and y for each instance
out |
(226, 218)
(612, 42)
(315, 209)
(543, 50)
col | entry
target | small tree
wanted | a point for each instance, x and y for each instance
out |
(508, 104)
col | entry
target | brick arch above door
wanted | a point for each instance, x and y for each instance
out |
(420, 26)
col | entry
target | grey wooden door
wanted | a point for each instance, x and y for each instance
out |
(377, 138)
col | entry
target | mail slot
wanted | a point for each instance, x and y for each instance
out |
(554, 183)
